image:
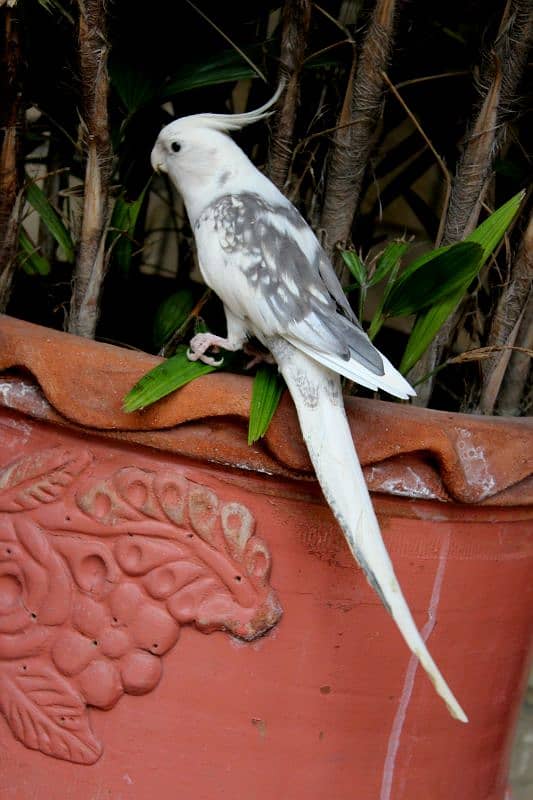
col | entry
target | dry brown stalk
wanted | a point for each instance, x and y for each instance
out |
(11, 121)
(91, 261)
(516, 391)
(501, 77)
(296, 18)
(509, 323)
(352, 144)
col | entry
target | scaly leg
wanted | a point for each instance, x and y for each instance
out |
(235, 339)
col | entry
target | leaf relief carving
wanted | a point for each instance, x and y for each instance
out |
(40, 478)
(87, 610)
(46, 714)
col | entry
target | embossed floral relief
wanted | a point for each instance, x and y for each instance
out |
(97, 576)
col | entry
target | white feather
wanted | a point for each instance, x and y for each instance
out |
(391, 381)
(323, 421)
(208, 167)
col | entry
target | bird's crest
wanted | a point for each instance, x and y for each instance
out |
(233, 122)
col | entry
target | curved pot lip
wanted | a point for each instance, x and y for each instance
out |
(406, 450)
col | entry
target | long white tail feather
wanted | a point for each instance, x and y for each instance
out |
(317, 396)
(391, 381)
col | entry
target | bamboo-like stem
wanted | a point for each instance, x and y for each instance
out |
(511, 316)
(501, 76)
(516, 391)
(91, 261)
(352, 144)
(11, 121)
(296, 18)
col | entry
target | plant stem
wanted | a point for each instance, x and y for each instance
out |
(501, 75)
(91, 263)
(353, 143)
(296, 18)
(11, 121)
(508, 321)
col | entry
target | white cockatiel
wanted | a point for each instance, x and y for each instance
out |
(276, 283)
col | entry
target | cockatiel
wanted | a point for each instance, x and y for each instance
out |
(276, 283)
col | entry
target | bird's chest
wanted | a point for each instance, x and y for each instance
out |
(227, 254)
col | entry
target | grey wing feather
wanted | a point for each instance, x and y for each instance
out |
(285, 265)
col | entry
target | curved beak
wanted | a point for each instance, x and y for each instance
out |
(157, 159)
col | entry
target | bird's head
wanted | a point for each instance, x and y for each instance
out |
(200, 158)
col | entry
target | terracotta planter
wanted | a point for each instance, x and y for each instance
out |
(126, 538)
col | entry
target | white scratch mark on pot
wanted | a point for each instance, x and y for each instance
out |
(474, 463)
(244, 466)
(410, 674)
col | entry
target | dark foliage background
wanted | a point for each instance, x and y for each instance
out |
(169, 59)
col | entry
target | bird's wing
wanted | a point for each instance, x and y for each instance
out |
(292, 288)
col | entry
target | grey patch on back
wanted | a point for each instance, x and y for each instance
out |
(300, 291)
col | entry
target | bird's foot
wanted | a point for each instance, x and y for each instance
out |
(202, 342)
(259, 356)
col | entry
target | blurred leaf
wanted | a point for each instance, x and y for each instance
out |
(133, 84)
(31, 261)
(39, 201)
(266, 393)
(433, 281)
(171, 315)
(225, 67)
(168, 376)
(509, 168)
(122, 229)
(487, 235)
(388, 260)
(355, 265)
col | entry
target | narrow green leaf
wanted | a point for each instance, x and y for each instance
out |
(31, 261)
(39, 201)
(379, 318)
(171, 315)
(487, 235)
(435, 280)
(418, 262)
(425, 329)
(491, 231)
(164, 379)
(355, 265)
(266, 393)
(122, 229)
(388, 260)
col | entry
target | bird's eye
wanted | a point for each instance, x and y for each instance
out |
(176, 147)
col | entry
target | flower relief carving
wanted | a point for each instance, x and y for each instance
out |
(97, 576)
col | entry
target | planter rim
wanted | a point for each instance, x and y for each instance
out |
(406, 450)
